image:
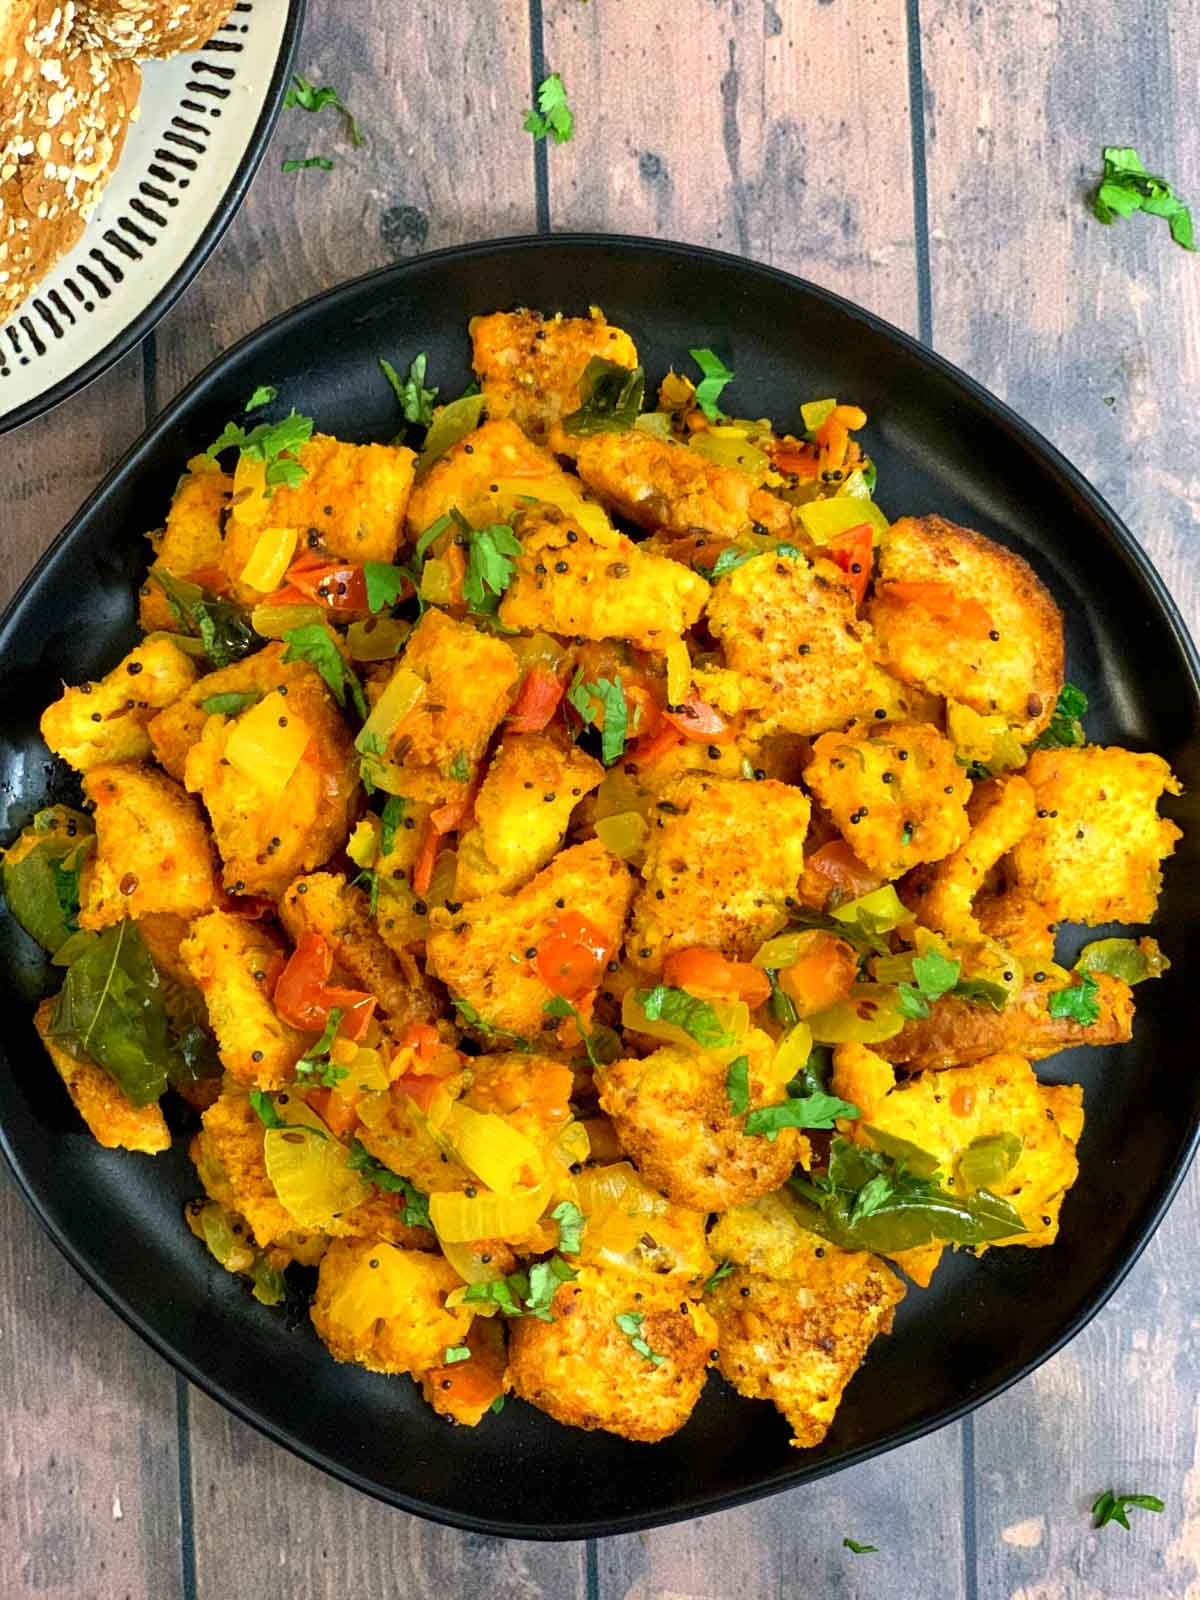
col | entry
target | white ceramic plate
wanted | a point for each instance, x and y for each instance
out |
(202, 126)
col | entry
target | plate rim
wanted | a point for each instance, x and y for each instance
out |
(1124, 542)
(134, 332)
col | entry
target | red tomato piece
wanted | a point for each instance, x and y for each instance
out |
(298, 994)
(941, 600)
(696, 719)
(536, 702)
(422, 872)
(303, 996)
(709, 976)
(572, 956)
(338, 586)
(835, 867)
(647, 751)
(420, 1088)
(852, 552)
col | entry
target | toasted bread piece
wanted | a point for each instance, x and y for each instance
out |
(529, 366)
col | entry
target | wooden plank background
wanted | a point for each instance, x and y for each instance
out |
(929, 159)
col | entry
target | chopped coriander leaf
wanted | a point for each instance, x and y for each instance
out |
(708, 390)
(497, 1405)
(432, 532)
(630, 1324)
(229, 705)
(273, 443)
(262, 396)
(722, 1272)
(415, 1213)
(612, 717)
(553, 116)
(610, 397)
(1064, 730)
(489, 1030)
(323, 164)
(501, 1291)
(1127, 187)
(600, 1043)
(315, 644)
(315, 1064)
(371, 748)
(385, 584)
(570, 1226)
(729, 560)
(737, 1085)
(460, 768)
(1110, 1507)
(264, 1107)
(307, 97)
(489, 565)
(808, 1111)
(393, 816)
(860, 1549)
(416, 401)
(936, 975)
(1077, 1003)
(455, 1352)
(544, 1279)
(696, 1017)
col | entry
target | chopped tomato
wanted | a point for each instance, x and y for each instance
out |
(337, 585)
(942, 601)
(796, 463)
(822, 973)
(709, 976)
(421, 1089)
(536, 702)
(647, 751)
(422, 872)
(852, 552)
(423, 1039)
(572, 956)
(835, 867)
(337, 1108)
(696, 719)
(645, 713)
(251, 907)
(303, 996)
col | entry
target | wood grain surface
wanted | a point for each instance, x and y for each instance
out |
(928, 158)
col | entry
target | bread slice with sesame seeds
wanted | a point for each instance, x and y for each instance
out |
(60, 148)
(152, 28)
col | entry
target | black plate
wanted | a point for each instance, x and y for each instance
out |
(942, 444)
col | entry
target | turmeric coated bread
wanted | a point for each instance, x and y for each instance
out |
(593, 883)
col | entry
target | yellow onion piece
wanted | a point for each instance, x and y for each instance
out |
(459, 1218)
(868, 1015)
(986, 739)
(270, 558)
(791, 1053)
(824, 520)
(467, 1259)
(363, 844)
(679, 672)
(310, 1176)
(250, 504)
(571, 1144)
(815, 412)
(548, 491)
(536, 650)
(267, 742)
(623, 835)
(491, 1148)
(272, 622)
(401, 694)
(436, 582)
(729, 447)
(377, 639)
(373, 1292)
